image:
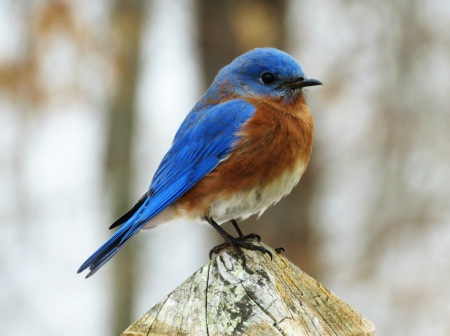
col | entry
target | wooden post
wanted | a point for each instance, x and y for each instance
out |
(246, 293)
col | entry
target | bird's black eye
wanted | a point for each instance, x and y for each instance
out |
(267, 78)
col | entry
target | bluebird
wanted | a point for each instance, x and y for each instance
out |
(242, 147)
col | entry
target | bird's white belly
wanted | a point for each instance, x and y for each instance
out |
(246, 203)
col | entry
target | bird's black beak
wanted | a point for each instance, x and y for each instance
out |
(302, 82)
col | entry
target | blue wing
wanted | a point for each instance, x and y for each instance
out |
(204, 139)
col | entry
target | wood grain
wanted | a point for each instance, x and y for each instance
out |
(246, 293)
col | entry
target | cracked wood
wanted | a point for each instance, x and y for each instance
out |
(246, 293)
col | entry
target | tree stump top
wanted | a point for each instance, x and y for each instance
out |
(246, 293)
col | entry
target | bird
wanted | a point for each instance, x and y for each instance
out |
(243, 146)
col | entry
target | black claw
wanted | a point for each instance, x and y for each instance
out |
(280, 249)
(217, 249)
(270, 254)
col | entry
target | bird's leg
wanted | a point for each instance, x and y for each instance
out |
(231, 241)
(242, 236)
(236, 227)
(279, 250)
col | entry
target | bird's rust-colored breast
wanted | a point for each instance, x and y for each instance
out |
(276, 140)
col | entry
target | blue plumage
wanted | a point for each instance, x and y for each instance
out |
(204, 139)
(243, 75)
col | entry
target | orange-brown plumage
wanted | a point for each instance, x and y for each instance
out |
(276, 140)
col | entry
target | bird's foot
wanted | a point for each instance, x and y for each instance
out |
(249, 236)
(240, 242)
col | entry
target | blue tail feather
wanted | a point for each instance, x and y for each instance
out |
(116, 242)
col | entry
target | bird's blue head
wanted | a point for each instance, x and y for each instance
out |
(264, 72)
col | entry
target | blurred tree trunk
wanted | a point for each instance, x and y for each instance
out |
(228, 28)
(400, 115)
(127, 18)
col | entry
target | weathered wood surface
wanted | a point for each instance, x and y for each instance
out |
(258, 296)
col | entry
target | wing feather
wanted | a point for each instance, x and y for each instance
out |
(203, 141)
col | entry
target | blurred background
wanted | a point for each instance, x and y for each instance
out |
(92, 93)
